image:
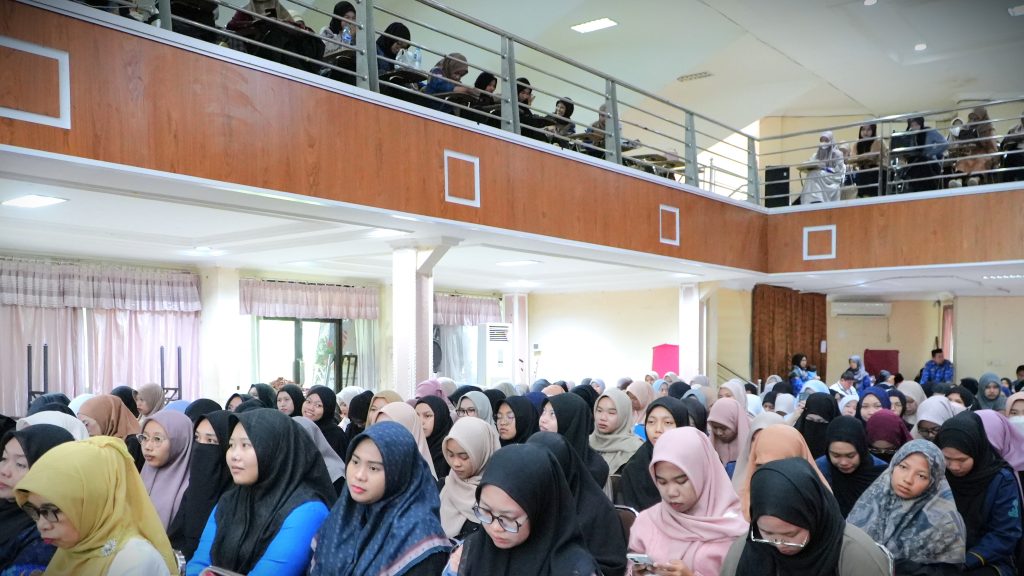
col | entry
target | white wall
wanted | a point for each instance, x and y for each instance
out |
(604, 335)
(912, 329)
(987, 335)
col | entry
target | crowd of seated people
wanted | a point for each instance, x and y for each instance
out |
(797, 478)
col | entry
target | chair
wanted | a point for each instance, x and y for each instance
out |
(627, 516)
(615, 481)
(892, 561)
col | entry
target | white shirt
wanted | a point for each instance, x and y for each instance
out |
(838, 387)
(138, 558)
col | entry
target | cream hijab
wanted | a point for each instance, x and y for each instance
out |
(618, 446)
(406, 416)
(480, 441)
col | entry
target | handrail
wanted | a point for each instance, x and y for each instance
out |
(733, 372)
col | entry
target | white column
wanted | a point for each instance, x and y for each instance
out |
(691, 344)
(517, 314)
(225, 335)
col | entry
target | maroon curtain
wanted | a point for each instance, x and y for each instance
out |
(785, 323)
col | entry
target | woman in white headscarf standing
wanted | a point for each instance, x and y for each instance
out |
(824, 181)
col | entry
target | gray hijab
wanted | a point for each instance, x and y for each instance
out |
(927, 529)
(335, 466)
(999, 404)
(483, 406)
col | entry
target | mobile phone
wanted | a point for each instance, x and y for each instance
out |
(643, 559)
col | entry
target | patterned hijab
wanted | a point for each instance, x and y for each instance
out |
(927, 529)
(619, 445)
(393, 533)
(479, 440)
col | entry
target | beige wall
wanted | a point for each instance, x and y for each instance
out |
(604, 335)
(734, 330)
(987, 336)
(911, 329)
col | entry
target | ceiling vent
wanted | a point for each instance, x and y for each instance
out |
(694, 76)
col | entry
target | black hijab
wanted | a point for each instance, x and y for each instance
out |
(971, 384)
(587, 392)
(244, 397)
(608, 544)
(55, 397)
(442, 425)
(698, 413)
(894, 393)
(291, 473)
(966, 395)
(461, 391)
(531, 476)
(35, 441)
(848, 487)
(358, 410)
(637, 486)
(791, 490)
(340, 9)
(250, 405)
(127, 395)
(55, 407)
(484, 80)
(966, 433)
(539, 385)
(209, 479)
(394, 29)
(526, 419)
(200, 408)
(328, 423)
(495, 397)
(295, 393)
(576, 423)
(824, 406)
(266, 394)
(677, 389)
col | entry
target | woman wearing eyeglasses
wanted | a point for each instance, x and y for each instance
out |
(166, 441)
(517, 420)
(87, 500)
(386, 520)
(476, 405)
(468, 449)
(22, 549)
(796, 528)
(529, 520)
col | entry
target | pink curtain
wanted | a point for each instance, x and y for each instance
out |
(20, 326)
(455, 310)
(124, 349)
(276, 299)
(947, 330)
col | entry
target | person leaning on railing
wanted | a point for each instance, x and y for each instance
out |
(340, 31)
(295, 47)
(396, 37)
(979, 143)
(923, 162)
(445, 78)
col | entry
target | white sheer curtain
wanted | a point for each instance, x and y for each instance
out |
(459, 353)
(277, 299)
(23, 325)
(124, 349)
(457, 310)
(366, 352)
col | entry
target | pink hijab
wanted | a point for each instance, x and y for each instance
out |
(644, 393)
(429, 388)
(406, 416)
(702, 535)
(1004, 437)
(729, 413)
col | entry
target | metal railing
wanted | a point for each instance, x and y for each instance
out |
(570, 105)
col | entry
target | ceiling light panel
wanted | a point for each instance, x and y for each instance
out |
(595, 25)
(33, 201)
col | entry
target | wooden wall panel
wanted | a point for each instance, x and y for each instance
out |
(28, 82)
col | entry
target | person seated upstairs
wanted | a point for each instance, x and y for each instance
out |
(868, 153)
(485, 84)
(1013, 159)
(446, 78)
(563, 112)
(823, 183)
(396, 37)
(341, 30)
(975, 151)
(923, 161)
(937, 370)
(278, 28)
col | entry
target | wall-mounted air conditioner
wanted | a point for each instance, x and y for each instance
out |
(869, 309)
(496, 355)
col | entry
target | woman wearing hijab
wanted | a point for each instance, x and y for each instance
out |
(436, 418)
(897, 402)
(320, 406)
(1005, 438)
(236, 400)
(588, 393)
(798, 375)
(106, 524)
(290, 400)
(524, 487)
(344, 399)
(733, 389)
(819, 411)
(209, 478)
(872, 400)
(380, 400)
(167, 447)
(886, 434)
(406, 416)
(264, 525)
(637, 486)
(335, 32)
(446, 78)
(848, 405)
(73, 425)
(358, 409)
(568, 415)
(856, 365)
(910, 510)
(517, 420)
(265, 393)
(915, 396)
(150, 399)
(932, 414)
(785, 406)
(593, 509)
(828, 170)
(485, 84)
(77, 401)
(495, 397)
(698, 517)
(461, 391)
(22, 549)
(128, 396)
(986, 492)
(428, 388)
(759, 423)
(201, 408)
(475, 404)
(467, 448)
(991, 397)
(52, 398)
(963, 396)
(776, 442)
(848, 465)
(729, 426)
(803, 533)
(395, 38)
(386, 520)
(678, 389)
(107, 416)
(613, 436)
(334, 463)
(640, 395)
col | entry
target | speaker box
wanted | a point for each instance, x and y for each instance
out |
(776, 187)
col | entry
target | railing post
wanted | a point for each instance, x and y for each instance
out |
(164, 7)
(612, 138)
(753, 182)
(510, 95)
(366, 56)
(690, 150)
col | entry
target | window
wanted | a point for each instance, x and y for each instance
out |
(307, 352)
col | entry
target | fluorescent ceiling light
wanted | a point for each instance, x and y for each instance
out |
(517, 263)
(1004, 277)
(404, 217)
(204, 251)
(1016, 10)
(274, 196)
(33, 201)
(683, 275)
(920, 47)
(870, 2)
(595, 25)
(385, 233)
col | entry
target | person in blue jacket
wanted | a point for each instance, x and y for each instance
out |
(798, 375)
(987, 495)
(265, 524)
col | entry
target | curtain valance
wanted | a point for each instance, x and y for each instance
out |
(456, 310)
(273, 298)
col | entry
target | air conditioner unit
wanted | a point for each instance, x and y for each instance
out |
(869, 309)
(495, 354)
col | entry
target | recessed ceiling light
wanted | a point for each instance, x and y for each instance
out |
(404, 217)
(1016, 10)
(870, 2)
(516, 263)
(33, 201)
(1004, 277)
(920, 47)
(595, 25)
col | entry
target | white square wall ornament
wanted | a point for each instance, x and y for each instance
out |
(668, 224)
(831, 230)
(452, 195)
(63, 119)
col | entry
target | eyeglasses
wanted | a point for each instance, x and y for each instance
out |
(509, 418)
(156, 441)
(777, 543)
(882, 451)
(466, 411)
(50, 513)
(928, 433)
(487, 517)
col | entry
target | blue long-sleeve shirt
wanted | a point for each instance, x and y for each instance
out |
(289, 552)
(935, 144)
(997, 547)
(933, 372)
